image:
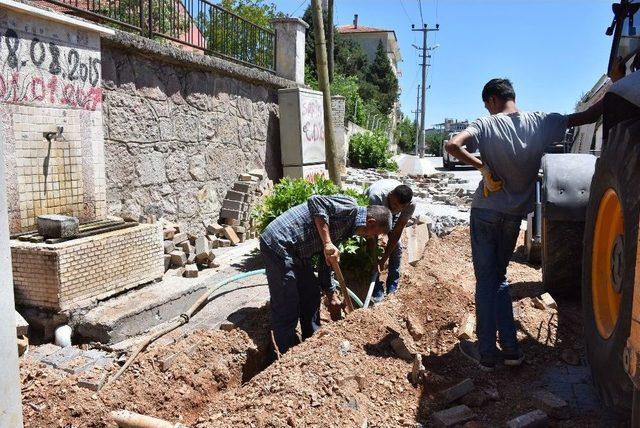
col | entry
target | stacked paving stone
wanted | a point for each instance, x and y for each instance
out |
(440, 186)
(187, 252)
(241, 200)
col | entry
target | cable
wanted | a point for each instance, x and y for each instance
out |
(405, 12)
(298, 7)
(420, 6)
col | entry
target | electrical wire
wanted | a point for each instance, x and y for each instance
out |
(405, 12)
(420, 6)
(298, 7)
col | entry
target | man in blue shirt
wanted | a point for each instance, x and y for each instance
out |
(287, 245)
(511, 143)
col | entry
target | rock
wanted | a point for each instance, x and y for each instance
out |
(401, 349)
(534, 419)
(551, 404)
(548, 301)
(457, 391)
(166, 361)
(345, 347)
(178, 258)
(191, 271)
(570, 357)
(468, 327)
(538, 303)
(22, 326)
(227, 326)
(214, 229)
(58, 226)
(231, 235)
(415, 328)
(169, 246)
(416, 369)
(23, 345)
(453, 416)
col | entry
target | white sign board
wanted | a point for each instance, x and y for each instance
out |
(302, 136)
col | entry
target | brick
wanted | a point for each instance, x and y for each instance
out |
(92, 380)
(243, 186)
(246, 177)
(169, 233)
(457, 391)
(186, 247)
(230, 214)
(58, 226)
(201, 245)
(548, 301)
(467, 327)
(180, 237)
(551, 404)
(214, 229)
(453, 416)
(534, 419)
(233, 205)
(169, 246)
(166, 361)
(260, 174)
(224, 242)
(231, 235)
(178, 258)
(232, 195)
(191, 259)
(167, 262)
(191, 271)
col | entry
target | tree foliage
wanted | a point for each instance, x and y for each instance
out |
(259, 12)
(406, 135)
(370, 150)
(383, 83)
(433, 143)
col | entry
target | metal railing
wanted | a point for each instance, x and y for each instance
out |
(197, 24)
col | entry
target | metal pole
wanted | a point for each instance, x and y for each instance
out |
(424, 89)
(323, 81)
(10, 402)
(416, 121)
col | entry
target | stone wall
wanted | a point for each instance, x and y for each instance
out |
(50, 76)
(180, 127)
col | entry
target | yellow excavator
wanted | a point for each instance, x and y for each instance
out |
(585, 227)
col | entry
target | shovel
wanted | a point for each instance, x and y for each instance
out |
(343, 287)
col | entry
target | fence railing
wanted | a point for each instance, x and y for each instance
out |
(197, 24)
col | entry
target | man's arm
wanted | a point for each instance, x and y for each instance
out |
(394, 238)
(590, 115)
(456, 148)
(321, 209)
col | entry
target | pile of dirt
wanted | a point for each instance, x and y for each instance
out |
(352, 373)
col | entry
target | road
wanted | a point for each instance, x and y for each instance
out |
(465, 172)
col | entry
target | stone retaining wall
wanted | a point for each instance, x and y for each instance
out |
(180, 127)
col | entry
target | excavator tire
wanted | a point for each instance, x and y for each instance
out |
(561, 249)
(608, 264)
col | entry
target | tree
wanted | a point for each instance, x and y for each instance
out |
(350, 58)
(310, 41)
(406, 135)
(433, 143)
(380, 74)
(258, 12)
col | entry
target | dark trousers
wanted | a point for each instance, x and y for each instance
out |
(295, 296)
(493, 238)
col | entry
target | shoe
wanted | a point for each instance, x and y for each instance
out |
(513, 358)
(470, 350)
(392, 288)
(378, 293)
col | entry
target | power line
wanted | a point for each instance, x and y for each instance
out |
(298, 7)
(405, 12)
(421, 18)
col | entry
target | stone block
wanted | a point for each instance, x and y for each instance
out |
(76, 365)
(224, 242)
(467, 327)
(203, 258)
(186, 247)
(227, 326)
(243, 186)
(178, 258)
(191, 271)
(231, 235)
(534, 419)
(169, 246)
(180, 238)
(548, 301)
(214, 229)
(415, 327)
(260, 174)
(417, 239)
(169, 233)
(551, 404)
(166, 361)
(246, 177)
(41, 352)
(92, 380)
(230, 214)
(457, 391)
(191, 258)
(167, 262)
(214, 242)
(239, 229)
(242, 237)
(228, 204)
(201, 245)
(233, 195)
(22, 326)
(58, 226)
(453, 416)
(23, 345)
(61, 356)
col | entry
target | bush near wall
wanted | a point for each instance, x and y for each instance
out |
(370, 150)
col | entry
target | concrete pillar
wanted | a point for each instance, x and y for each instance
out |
(10, 403)
(338, 104)
(290, 38)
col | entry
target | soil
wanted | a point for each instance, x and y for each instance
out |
(347, 375)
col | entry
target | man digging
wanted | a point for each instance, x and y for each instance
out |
(398, 198)
(512, 143)
(288, 244)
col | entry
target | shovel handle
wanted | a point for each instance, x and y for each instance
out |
(343, 287)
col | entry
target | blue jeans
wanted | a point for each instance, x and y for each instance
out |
(295, 296)
(395, 258)
(493, 238)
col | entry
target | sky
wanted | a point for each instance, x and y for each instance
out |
(552, 50)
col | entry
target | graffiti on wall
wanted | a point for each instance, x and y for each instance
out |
(35, 70)
(312, 120)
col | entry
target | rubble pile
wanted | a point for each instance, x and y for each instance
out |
(439, 187)
(186, 252)
(242, 199)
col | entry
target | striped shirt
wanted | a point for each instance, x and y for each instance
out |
(294, 232)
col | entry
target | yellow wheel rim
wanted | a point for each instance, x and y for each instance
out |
(606, 263)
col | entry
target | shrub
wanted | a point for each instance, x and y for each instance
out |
(370, 150)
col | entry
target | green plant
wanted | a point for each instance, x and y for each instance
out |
(406, 135)
(370, 150)
(433, 143)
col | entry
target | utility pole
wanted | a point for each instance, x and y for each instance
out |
(323, 82)
(417, 111)
(424, 65)
(330, 35)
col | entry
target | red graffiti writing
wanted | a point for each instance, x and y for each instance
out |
(313, 127)
(35, 89)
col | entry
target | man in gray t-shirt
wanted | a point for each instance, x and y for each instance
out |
(511, 143)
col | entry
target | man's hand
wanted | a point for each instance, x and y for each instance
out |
(331, 254)
(334, 305)
(490, 184)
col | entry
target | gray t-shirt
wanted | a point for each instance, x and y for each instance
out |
(512, 145)
(379, 192)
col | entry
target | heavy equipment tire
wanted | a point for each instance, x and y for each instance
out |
(608, 266)
(446, 164)
(561, 252)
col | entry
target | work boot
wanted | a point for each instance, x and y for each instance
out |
(470, 350)
(392, 288)
(512, 358)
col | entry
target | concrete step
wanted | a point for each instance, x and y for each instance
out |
(137, 311)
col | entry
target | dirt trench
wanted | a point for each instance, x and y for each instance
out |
(348, 374)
